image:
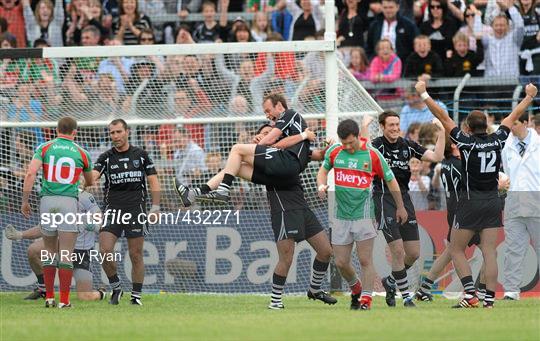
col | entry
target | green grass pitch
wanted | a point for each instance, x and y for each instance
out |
(245, 317)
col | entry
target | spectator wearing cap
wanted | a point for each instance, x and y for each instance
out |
(307, 18)
(45, 22)
(208, 30)
(13, 13)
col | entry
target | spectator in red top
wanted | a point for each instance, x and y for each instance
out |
(13, 13)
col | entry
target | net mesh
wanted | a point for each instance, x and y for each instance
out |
(187, 112)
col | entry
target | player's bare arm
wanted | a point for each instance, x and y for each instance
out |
(290, 141)
(271, 137)
(29, 179)
(155, 192)
(435, 109)
(436, 155)
(364, 130)
(401, 213)
(530, 94)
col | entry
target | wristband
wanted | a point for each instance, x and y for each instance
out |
(155, 208)
(322, 187)
(424, 96)
(304, 135)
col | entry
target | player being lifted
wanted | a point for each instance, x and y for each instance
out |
(293, 221)
(62, 161)
(85, 242)
(355, 164)
(402, 238)
(126, 169)
(253, 161)
(479, 207)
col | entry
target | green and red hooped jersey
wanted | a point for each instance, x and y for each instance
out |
(353, 175)
(63, 161)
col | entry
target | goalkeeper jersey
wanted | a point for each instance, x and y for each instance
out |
(63, 161)
(353, 177)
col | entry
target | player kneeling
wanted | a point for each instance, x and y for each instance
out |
(81, 267)
(355, 165)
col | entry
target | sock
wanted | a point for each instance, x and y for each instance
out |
(356, 286)
(426, 285)
(198, 191)
(402, 283)
(225, 185)
(137, 290)
(49, 274)
(65, 273)
(114, 282)
(468, 285)
(278, 283)
(490, 297)
(481, 291)
(407, 266)
(391, 281)
(317, 275)
(366, 297)
(41, 282)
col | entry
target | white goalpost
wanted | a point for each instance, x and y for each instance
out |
(186, 105)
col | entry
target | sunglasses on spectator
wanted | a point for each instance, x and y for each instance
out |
(469, 15)
(435, 6)
(147, 39)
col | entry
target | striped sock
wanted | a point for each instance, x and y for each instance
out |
(114, 282)
(468, 285)
(402, 283)
(317, 275)
(225, 186)
(198, 191)
(391, 281)
(41, 282)
(49, 274)
(278, 283)
(481, 291)
(65, 273)
(426, 285)
(136, 291)
(489, 299)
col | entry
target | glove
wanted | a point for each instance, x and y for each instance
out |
(12, 233)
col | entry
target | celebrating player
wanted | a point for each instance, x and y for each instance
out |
(126, 169)
(479, 207)
(255, 161)
(62, 161)
(293, 221)
(402, 238)
(85, 242)
(355, 164)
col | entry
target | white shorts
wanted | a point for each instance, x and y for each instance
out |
(345, 232)
(66, 207)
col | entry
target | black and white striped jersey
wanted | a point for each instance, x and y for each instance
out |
(451, 180)
(292, 123)
(125, 176)
(480, 160)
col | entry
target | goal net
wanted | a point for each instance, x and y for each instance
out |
(186, 105)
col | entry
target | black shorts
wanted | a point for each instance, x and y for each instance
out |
(385, 214)
(133, 228)
(478, 214)
(274, 166)
(83, 259)
(298, 224)
(451, 218)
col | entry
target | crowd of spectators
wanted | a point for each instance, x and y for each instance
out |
(380, 41)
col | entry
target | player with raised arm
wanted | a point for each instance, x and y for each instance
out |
(479, 207)
(85, 242)
(259, 160)
(62, 161)
(355, 163)
(126, 169)
(402, 238)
